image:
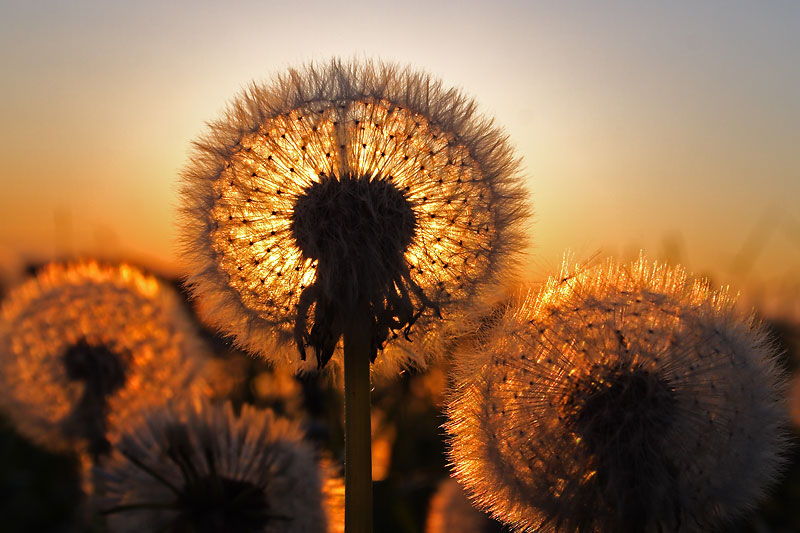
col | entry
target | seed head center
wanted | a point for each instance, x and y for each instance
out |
(209, 502)
(353, 218)
(213, 504)
(357, 228)
(620, 416)
(623, 407)
(102, 372)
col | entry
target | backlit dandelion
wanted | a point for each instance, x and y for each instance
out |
(202, 468)
(620, 398)
(83, 347)
(343, 208)
(342, 190)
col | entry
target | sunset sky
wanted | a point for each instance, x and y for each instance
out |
(672, 128)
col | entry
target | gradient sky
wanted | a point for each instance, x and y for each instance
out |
(670, 127)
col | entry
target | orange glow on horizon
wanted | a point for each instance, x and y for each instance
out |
(630, 139)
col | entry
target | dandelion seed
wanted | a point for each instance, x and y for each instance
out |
(83, 347)
(342, 189)
(201, 468)
(620, 398)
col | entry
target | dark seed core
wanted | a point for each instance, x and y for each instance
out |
(620, 416)
(357, 228)
(102, 372)
(624, 404)
(340, 218)
(215, 504)
(209, 502)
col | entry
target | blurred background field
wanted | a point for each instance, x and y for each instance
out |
(41, 491)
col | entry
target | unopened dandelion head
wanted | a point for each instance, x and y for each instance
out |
(200, 467)
(348, 186)
(618, 398)
(83, 347)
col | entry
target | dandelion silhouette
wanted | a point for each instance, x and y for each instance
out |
(345, 208)
(619, 398)
(201, 468)
(83, 347)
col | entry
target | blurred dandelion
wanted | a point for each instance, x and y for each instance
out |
(84, 347)
(450, 510)
(342, 189)
(226, 374)
(384, 434)
(333, 495)
(201, 468)
(278, 388)
(620, 398)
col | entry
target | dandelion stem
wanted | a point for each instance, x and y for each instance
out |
(358, 439)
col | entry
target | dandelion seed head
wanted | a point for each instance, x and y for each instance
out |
(83, 347)
(347, 184)
(618, 398)
(200, 467)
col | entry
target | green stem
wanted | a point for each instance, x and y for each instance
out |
(358, 438)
